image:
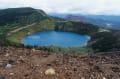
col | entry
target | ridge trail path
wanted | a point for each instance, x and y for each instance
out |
(18, 29)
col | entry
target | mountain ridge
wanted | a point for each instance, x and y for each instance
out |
(12, 15)
(106, 21)
(17, 18)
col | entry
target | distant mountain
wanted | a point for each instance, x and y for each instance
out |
(107, 21)
(59, 15)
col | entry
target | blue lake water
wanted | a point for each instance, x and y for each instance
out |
(55, 38)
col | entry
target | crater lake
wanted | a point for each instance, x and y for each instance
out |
(56, 38)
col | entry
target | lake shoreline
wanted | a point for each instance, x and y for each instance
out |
(56, 37)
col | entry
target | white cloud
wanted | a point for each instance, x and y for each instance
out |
(68, 6)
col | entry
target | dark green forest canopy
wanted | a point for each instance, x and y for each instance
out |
(77, 27)
(106, 41)
(21, 16)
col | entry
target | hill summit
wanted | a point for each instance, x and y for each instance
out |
(22, 16)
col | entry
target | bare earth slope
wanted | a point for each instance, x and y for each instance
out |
(32, 64)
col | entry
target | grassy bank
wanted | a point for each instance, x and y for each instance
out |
(37, 27)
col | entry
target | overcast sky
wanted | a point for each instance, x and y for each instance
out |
(111, 7)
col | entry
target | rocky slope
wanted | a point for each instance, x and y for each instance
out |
(21, 63)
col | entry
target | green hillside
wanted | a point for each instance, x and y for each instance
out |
(15, 23)
(43, 25)
(22, 16)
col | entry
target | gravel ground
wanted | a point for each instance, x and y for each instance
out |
(21, 63)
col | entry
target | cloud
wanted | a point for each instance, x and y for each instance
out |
(68, 6)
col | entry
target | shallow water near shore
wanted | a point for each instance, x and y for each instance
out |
(56, 38)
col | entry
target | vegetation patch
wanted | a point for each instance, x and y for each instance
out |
(41, 26)
(23, 18)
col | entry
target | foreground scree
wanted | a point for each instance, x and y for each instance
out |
(19, 63)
